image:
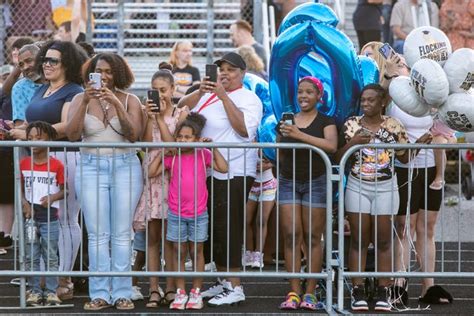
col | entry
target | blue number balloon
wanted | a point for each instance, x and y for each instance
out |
(332, 45)
(309, 12)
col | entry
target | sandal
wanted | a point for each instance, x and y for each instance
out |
(437, 185)
(155, 303)
(124, 304)
(96, 305)
(309, 302)
(292, 302)
(168, 298)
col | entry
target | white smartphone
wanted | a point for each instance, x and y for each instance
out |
(97, 79)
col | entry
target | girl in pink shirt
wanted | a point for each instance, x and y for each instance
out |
(187, 201)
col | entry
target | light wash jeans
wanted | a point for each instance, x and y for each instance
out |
(109, 188)
(46, 248)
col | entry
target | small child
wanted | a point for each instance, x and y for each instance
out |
(43, 187)
(263, 190)
(442, 134)
(187, 221)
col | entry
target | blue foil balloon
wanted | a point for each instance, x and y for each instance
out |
(337, 50)
(266, 133)
(309, 12)
(315, 66)
(370, 70)
(260, 87)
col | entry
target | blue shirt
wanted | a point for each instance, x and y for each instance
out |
(22, 92)
(48, 109)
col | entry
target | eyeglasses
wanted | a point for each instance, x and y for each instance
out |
(51, 61)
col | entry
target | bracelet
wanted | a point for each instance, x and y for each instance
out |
(389, 77)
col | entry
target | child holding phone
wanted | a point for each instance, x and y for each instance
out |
(187, 220)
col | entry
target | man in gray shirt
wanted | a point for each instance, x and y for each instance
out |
(241, 34)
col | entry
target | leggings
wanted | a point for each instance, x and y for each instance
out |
(70, 232)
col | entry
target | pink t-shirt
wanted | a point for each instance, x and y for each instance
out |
(186, 165)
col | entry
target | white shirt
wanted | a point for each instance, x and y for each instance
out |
(415, 127)
(218, 128)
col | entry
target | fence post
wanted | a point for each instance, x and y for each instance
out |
(257, 21)
(89, 22)
(120, 30)
(2, 35)
(210, 31)
(19, 223)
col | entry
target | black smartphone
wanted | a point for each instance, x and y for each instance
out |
(386, 50)
(288, 118)
(211, 72)
(154, 96)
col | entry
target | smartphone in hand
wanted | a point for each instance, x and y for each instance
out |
(386, 50)
(97, 79)
(288, 118)
(154, 96)
(211, 72)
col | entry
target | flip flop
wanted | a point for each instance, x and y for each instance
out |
(437, 185)
(155, 303)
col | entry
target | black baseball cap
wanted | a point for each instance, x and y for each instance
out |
(234, 59)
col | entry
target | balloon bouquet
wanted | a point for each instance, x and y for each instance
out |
(440, 83)
(309, 44)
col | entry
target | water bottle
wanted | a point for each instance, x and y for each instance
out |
(31, 231)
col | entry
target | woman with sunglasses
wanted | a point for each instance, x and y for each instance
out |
(59, 64)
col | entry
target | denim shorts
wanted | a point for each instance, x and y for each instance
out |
(139, 241)
(302, 192)
(189, 230)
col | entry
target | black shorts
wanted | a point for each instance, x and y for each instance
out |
(228, 238)
(7, 177)
(419, 189)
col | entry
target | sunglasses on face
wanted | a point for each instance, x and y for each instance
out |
(51, 61)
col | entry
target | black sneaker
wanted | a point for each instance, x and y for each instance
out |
(6, 242)
(359, 299)
(381, 300)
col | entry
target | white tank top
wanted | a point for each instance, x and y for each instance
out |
(96, 131)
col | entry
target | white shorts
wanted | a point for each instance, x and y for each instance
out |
(372, 198)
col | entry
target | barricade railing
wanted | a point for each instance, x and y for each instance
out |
(449, 262)
(228, 150)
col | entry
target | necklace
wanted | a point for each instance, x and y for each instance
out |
(50, 91)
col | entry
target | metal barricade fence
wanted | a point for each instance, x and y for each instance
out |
(91, 160)
(402, 263)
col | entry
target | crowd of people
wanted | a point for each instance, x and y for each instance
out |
(170, 202)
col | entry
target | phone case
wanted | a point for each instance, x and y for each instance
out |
(211, 72)
(154, 96)
(97, 78)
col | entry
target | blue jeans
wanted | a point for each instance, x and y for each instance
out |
(109, 188)
(48, 252)
(398, 46)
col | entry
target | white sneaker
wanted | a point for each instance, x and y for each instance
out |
(216, 289)
(247, 258)
(136, 294)
(230, 296)
(180, 300)
(188, 265)
(210, 267)
(195, 299)
(257, 260)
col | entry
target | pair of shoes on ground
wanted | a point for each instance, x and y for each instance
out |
(222, 293)
(37, 299)
(65, 291)
(253, 259)
(307, 301)
(359, 300)
(183, 301)
(98, 304)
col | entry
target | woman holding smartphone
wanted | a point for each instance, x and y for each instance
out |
(162, 119)
(297, 187)
(108, 180)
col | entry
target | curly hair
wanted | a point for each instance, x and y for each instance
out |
(382, 93)
(194, 121)
(121, 72)
(42, 127)
(72, 59)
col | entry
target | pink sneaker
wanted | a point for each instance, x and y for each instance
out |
(195, 299)
(180, 300)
